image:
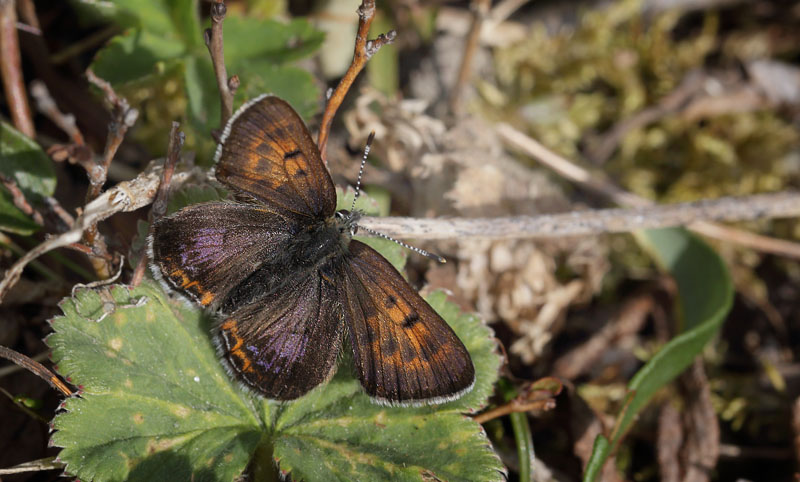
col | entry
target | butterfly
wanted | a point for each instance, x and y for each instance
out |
(289, 284)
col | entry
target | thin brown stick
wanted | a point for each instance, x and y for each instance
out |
(28, 12)
(176, 139)
(619, 196)
(123, 118)
(59, 211)
(480, 10)
(49, 463)
(36, 368)
(18, 198)
(591, 222)
(47, 106)
(363, 51)
(5, 371)
(11, 70)
(514, 406)
(214, 42)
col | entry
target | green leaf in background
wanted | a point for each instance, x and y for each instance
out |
(22, 160)
(705, 296)
(156, 404)
(13, 220)
(383, 68)
(165, 36)
(249, 38)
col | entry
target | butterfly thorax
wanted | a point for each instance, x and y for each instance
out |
(321, 241)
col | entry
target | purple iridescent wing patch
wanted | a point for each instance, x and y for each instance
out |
(290, 339)
(205, 258)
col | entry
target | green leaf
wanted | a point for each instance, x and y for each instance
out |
(135, 56)
(156, 402)
(294, 85)
(22, 160)
(194, 194)
(175, 19)
(600, 451)
(383, 67)
(165, 35)
(705, 296)
(13, 220)
(249, 38)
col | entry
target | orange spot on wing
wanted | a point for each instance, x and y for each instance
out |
(237, 351)
(179, 277)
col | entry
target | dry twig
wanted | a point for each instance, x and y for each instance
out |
(214, 41)
(591, 222)
(176, 139)
(18, 198)
(480, 9)
(517, 405)
(123, 118)
(702, 446)
(36, 368)
(619, 196)
(11, 70)
(364, 50)
(49, 463)
(47, 106)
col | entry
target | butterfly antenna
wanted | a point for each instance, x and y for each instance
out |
(361, 169)
(432, 256)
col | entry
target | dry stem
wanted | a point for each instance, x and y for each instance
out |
(11, 70)
(480, 11)
(214, 42)
(364, 49)
(47, 106)
(176, 139)
(123, 118)
(18, 197)
(581, 176)
(591, 222)
(36, 368)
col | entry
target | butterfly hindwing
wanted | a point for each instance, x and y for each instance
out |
(286, 342)
(404, 351)
(267, 152)
(206, 250)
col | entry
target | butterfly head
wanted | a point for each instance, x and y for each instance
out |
(347, 221)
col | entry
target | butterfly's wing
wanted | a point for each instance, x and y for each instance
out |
(206, 250)
(405, 353)
(285, 343)
(267, 152)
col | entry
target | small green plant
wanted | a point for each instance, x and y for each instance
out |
(161, 64)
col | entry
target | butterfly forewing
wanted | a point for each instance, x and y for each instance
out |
(285, 343)
(267, 152)
(404, 351)
(206, 250)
